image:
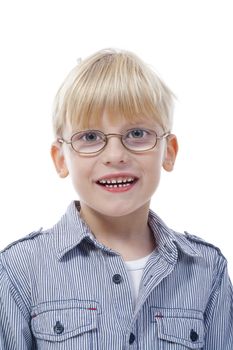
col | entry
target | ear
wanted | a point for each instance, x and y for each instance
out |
(170, 153)
(59, 159)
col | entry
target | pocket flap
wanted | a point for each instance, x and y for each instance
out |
(185, 327)
(58, 321)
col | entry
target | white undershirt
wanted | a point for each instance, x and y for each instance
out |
(135, 270)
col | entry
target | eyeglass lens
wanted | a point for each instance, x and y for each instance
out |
(92, 141)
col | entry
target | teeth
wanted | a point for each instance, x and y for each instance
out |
(120, 185)
(117, 182)
(102, 182)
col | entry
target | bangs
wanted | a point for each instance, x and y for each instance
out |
(119, 83)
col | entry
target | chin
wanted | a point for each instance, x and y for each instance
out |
(119, 210)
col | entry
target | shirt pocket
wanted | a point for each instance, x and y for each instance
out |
(179, 329)
(68, 324)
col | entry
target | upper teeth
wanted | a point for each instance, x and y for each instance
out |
(116, 181)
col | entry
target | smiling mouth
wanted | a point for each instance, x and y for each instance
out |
(117, 182)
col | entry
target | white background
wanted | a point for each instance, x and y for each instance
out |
(189, 43)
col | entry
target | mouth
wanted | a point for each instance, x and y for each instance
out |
(117, 183)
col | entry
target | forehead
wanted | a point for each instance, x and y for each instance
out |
(118, 121)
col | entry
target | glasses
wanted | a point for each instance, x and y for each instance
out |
(93, 141)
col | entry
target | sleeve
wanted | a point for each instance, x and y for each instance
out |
(219, 311)
(15, 331)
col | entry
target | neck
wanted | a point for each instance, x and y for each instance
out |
(128, 235)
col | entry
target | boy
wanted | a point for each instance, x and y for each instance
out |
(110, 274)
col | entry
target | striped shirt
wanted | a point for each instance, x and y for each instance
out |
(62, 289)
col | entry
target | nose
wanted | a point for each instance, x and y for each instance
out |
(114, 152)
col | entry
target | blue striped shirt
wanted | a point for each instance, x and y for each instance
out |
(62, 289)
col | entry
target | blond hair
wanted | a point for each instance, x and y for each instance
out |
(116, 81)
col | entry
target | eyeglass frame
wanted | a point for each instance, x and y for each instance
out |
(61, 140)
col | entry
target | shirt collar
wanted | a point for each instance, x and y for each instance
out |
(71, 230)
(166, 237)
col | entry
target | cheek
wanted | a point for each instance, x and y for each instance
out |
(152, 164)
(80, 172)
(152, 170)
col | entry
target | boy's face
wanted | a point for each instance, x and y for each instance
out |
(116, 163)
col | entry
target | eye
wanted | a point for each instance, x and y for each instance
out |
(137, 133)
(88, 141)
(90, 136)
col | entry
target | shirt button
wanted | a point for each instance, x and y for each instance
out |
(193, 335)
(58, 328)
(131, 338)
(117, 278)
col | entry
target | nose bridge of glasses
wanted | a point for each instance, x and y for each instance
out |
(110, 136)
(113, 135)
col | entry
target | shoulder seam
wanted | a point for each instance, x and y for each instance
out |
(30, 236)
(197, 239)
